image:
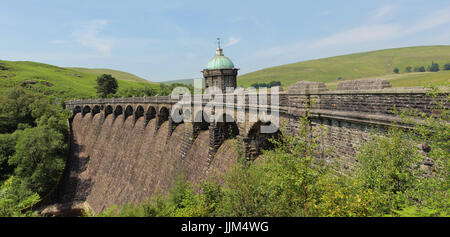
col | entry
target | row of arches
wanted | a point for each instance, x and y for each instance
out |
(129, 110)
(221, 131)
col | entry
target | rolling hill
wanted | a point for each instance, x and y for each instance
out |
(375, 64)
(64, 83)
(189, 82)
(115, 73)
(70, 83)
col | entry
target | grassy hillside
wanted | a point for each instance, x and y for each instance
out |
(189, 82)
(64, 83)
(378, 64)
(115, 73)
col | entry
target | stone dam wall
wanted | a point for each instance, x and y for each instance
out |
(118, 162)
(126, 150)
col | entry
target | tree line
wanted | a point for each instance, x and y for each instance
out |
(271, 84)
(434, 67)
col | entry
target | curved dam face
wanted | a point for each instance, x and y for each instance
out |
(117, 161)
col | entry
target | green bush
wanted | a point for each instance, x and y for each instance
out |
(266, 85)
(420, 69)
(434, 67)
(447, 66)
(32, 157)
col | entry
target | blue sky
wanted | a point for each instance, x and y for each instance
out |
(169, 40)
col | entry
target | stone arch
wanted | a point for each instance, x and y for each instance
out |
(128, 112)
(118, 111)
(96, 110)
(108, 110)
(138, 113)
(258, 140)
(76, 110)
(150, 114)
(86, 110)
(163, 116)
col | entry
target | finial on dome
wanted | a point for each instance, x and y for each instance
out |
(219, 51)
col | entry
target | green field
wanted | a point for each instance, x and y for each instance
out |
(375, 64)
(115, 73)
(64, 83)
(189, 82)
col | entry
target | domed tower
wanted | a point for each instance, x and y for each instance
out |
(220, 71)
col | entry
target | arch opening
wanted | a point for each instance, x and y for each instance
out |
(118, 111)
(138, 113)
(86, 110)
(76, 110)
(150, 114)
(128, 112)
(96, 110)
(259, 141)
(108, 110)
(163, 116)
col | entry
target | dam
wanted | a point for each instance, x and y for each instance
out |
(126, 150)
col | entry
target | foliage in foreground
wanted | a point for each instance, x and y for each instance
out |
(32, 151)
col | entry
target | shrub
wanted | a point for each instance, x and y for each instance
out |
(419, 69)
(434, 67)
(447, 66)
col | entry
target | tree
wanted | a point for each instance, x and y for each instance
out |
(39, 158)
(106, 85)
(274, 83)
(15, 109)
(396, 70)
(419, 69)
(434, 67)
(408, 69)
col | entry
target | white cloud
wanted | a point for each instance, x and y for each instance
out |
(377, 31)
(89, 36)
(359, 34)
(381, 13)
(433, 20)
(232, 41)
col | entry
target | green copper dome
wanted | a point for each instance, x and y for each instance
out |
(219, 61)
